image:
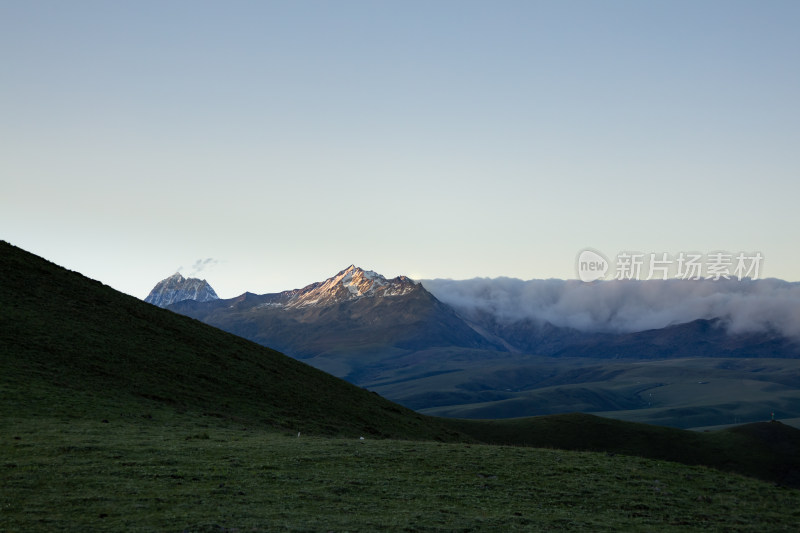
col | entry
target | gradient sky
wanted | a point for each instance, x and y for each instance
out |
(287, 140)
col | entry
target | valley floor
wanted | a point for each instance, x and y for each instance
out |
(160, 473)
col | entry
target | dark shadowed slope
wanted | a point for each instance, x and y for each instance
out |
(768, 450)
(71, 346)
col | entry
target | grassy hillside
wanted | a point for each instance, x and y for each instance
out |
(71, 347)
(116, 415)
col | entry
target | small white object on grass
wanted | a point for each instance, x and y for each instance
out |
(360, 438)
(298, 434)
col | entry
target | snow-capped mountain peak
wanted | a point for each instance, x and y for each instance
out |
(351, 283)
(177, 288)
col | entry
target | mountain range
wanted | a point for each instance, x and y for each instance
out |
(396, 337)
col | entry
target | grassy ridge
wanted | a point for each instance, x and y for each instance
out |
(71, 347)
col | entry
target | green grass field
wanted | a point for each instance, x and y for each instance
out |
(179, 473)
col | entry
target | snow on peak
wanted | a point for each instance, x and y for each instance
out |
(177, 288)
(350, 284)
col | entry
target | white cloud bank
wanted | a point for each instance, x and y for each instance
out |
(627, 306)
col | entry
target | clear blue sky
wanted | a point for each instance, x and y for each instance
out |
(287, 140)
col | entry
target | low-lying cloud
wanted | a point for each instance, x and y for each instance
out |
(628, 306)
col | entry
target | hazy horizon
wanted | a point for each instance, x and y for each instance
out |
(616, 305)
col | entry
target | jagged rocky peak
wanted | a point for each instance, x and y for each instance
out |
(352, 283)
(176, 288)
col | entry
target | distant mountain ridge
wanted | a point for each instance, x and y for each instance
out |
(353, 324)
(176, 288)
(351, 283)
(256, 318)
(395, 337)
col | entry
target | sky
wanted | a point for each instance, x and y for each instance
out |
(266, 145)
